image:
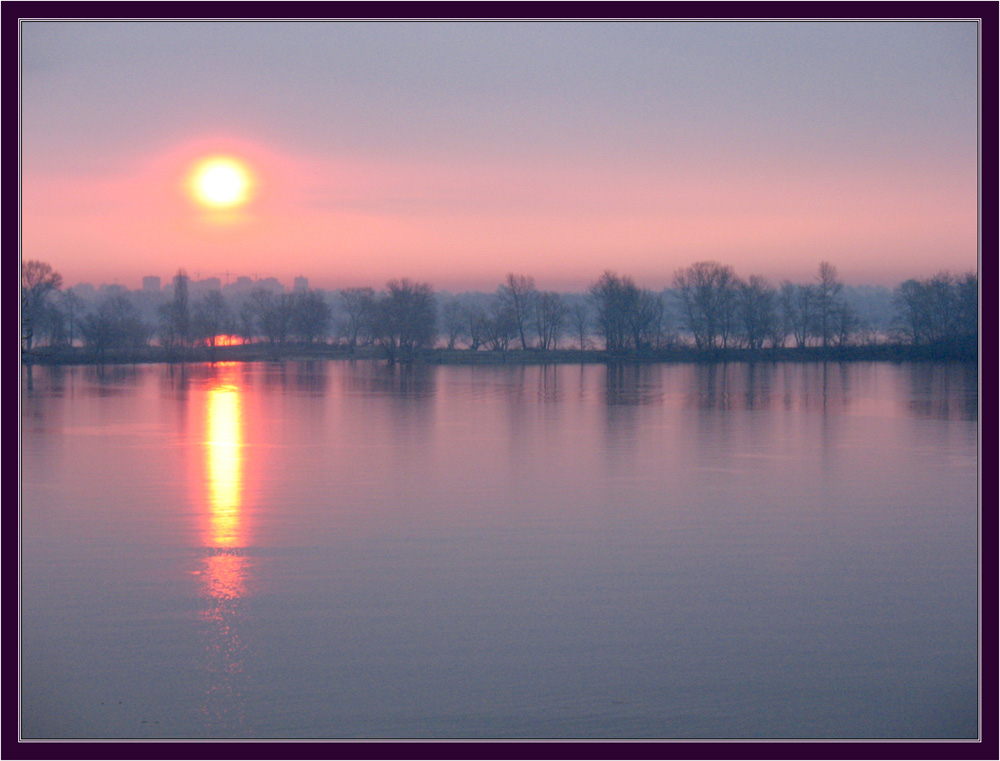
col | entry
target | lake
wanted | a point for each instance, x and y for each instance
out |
(349, 550)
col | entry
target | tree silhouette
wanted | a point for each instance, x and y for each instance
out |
(580, 320)
(114, 324)
(940, 309)
(175, 315)
(827, 301)
(454, 323)
(211, 318)
(499, 325)
(550, 318)
(518, 296)
(38, 281)
(359, 305)
(404, 319)
(756, 308)
(478, 325)
(708, 292)
(610, 296)
(311, 315)
(797, 311)
(627, 317)
(273, 313)
(71, 306)
(967, 307)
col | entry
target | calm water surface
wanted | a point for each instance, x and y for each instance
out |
(335, 549)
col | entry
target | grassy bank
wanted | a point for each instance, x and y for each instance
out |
(262, 352)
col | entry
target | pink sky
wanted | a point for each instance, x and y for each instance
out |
(343, 221)
(766, 168)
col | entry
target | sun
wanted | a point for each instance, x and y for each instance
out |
(221, 182)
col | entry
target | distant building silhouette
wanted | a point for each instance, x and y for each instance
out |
(112, 289)
(301, 284)
(270, 284)
(205, 285)
(151, 283)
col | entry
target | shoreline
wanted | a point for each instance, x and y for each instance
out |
(285, 353)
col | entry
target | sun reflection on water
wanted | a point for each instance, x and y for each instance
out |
(224, 464)
(226, 565)
(224, 525)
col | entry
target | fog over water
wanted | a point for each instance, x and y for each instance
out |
(341, 550)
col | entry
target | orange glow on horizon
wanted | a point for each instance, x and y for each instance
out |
(224, 339)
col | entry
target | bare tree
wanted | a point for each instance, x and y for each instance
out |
(359, 304)
(550, 318)
(628, 317)
(580, 319)
(610, 296)
(943, 308)
(38, 281)
(454, 323)
(405, 319)
(645, 318)
(499, 326)
(211, 318)
(967, 307)
(246, 321)
(50, 322)
(827, 301)
(518, 295)
(477, 323)
(797, 311)
(845, 324)
(709, 302)
(274, 314)
(311, 315)
(114, 324)
(756, 304)
(72, 307)
(175, 315)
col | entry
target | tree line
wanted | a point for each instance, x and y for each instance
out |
(709, 308)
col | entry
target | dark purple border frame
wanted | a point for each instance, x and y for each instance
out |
(986, 12)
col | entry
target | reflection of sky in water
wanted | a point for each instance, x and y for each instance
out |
(344, 549)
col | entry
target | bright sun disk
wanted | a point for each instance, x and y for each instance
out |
(221, 182)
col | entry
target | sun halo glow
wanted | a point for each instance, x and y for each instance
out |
(221, 182)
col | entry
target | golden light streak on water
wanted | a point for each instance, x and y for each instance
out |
(224, 465)
(226, 568)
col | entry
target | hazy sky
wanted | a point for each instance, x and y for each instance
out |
(456, 152)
